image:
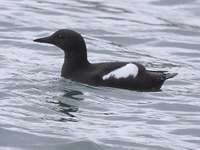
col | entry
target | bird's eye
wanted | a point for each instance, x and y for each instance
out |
(60, 36)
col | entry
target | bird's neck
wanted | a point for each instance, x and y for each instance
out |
(76, 60)
(72, 65)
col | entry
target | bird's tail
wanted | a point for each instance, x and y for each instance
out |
(158, 78)
(167, 76)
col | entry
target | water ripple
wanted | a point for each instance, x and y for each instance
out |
(41, 110)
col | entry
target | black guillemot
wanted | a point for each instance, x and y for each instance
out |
(126, 75)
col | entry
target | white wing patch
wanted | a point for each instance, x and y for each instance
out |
(123, 72)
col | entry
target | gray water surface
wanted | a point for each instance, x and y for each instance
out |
(41, 110)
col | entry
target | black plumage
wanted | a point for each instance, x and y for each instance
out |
(77, 67)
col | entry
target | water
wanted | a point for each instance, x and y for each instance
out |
(41, 110)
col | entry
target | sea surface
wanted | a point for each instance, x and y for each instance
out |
(40, 110)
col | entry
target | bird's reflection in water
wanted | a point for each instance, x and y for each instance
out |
(73, 94)
(67, 104)
(67, 109)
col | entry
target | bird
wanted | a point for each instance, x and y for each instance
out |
(124, 75)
